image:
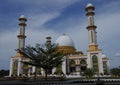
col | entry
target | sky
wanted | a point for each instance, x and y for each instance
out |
(55, 17)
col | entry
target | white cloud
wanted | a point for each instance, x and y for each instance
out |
(108, 23)
(36, 21)
(45, 5)
(8, 44)
(108, 32)
(117, 54)
(7, 40)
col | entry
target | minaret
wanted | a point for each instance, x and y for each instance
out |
(21, 36)
(48, 40)
(91, 27)
(16, 67)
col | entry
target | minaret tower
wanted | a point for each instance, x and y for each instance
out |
(16, 67)
(21, 36)
(93, 46)
(94, 53)
(48, 40)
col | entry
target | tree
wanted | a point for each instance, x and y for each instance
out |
(43, 56)
(115, 71)
(89, 72)
(4, 73)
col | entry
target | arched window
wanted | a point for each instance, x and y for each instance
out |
(95, 63)
(72, 66)
(15, 67)
(83, 65)
(83, 62)
(72, 63)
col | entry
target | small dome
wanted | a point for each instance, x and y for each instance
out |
(64, 40)
(22, 16)
(89, 5)
(104, 56)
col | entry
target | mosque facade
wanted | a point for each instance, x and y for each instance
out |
(76, 62)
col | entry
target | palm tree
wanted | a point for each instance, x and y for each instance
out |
(43, 56)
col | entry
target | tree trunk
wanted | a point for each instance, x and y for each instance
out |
(46, 74)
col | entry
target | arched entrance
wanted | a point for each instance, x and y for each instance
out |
(72, 66)
(83, 65)
(95, 63)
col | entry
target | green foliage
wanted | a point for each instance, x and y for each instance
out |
(44, 56)
(59, 69)
(4, 73)
(38, 71)
(62, 78)
(115, 71)
(89, 73)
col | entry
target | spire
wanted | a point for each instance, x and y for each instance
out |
(91, 27)
(21, 36)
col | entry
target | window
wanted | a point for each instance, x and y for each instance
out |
(92, 37)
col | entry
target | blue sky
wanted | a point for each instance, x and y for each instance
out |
(55, 17)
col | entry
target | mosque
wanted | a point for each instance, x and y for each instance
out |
(76, 62)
